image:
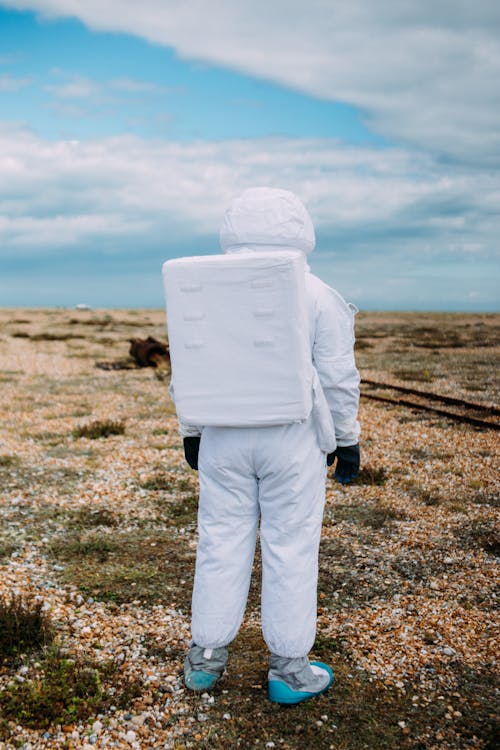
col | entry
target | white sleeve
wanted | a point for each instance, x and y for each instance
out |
(333, 357)
(185, 429)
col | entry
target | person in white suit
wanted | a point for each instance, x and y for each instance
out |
(275, 475)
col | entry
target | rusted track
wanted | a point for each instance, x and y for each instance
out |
(492, 410)
(476, 421)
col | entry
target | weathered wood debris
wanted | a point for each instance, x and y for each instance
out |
(143, 353)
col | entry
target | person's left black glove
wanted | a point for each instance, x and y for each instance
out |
(347, 463)
(191, 450)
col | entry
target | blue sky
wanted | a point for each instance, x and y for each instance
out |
(123, 84)
(126, 130)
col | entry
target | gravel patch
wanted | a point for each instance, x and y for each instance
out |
(103, 533)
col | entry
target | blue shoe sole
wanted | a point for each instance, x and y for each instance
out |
(198, 680)
(280, 692)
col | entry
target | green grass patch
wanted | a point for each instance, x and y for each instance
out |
(15, 476)
(184, 512)
(419, 376)
(170, 482)
(48, 437)
(88, 517)
(371, 514)
(62, 689)
(126, 566)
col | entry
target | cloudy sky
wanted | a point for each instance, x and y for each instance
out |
(127, 127)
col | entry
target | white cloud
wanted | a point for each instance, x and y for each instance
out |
(13, 83)
(71, 86)
(124, 191)
(77, 87)
(133, 86)
(425, 73)
(29, 231)
(9, 59)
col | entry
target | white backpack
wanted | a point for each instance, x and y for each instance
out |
(239, 338)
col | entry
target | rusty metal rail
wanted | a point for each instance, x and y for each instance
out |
(423, 404)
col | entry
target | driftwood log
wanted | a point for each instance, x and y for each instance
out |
(143, 353)
(149, 352)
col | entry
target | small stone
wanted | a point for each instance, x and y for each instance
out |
(270, 744)
(97, 727)
(448, 651)
(202, 716)
(402, 724)
(130, 736)
(226, 716)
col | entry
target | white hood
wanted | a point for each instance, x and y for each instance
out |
(264, 218)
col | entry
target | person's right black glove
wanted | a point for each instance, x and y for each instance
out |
(191, 450)
(347, 463)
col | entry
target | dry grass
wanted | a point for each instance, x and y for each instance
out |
(453, 353)
(100, 428)
(24, 627)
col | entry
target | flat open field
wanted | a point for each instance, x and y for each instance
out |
(98, 538)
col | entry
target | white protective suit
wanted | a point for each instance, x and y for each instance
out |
(275, 473)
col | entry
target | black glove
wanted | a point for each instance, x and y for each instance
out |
(347, 463)
(191, 450)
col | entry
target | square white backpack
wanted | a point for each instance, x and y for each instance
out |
(239, 338)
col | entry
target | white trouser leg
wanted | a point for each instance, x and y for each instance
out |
(227, 526)
(292, 471)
